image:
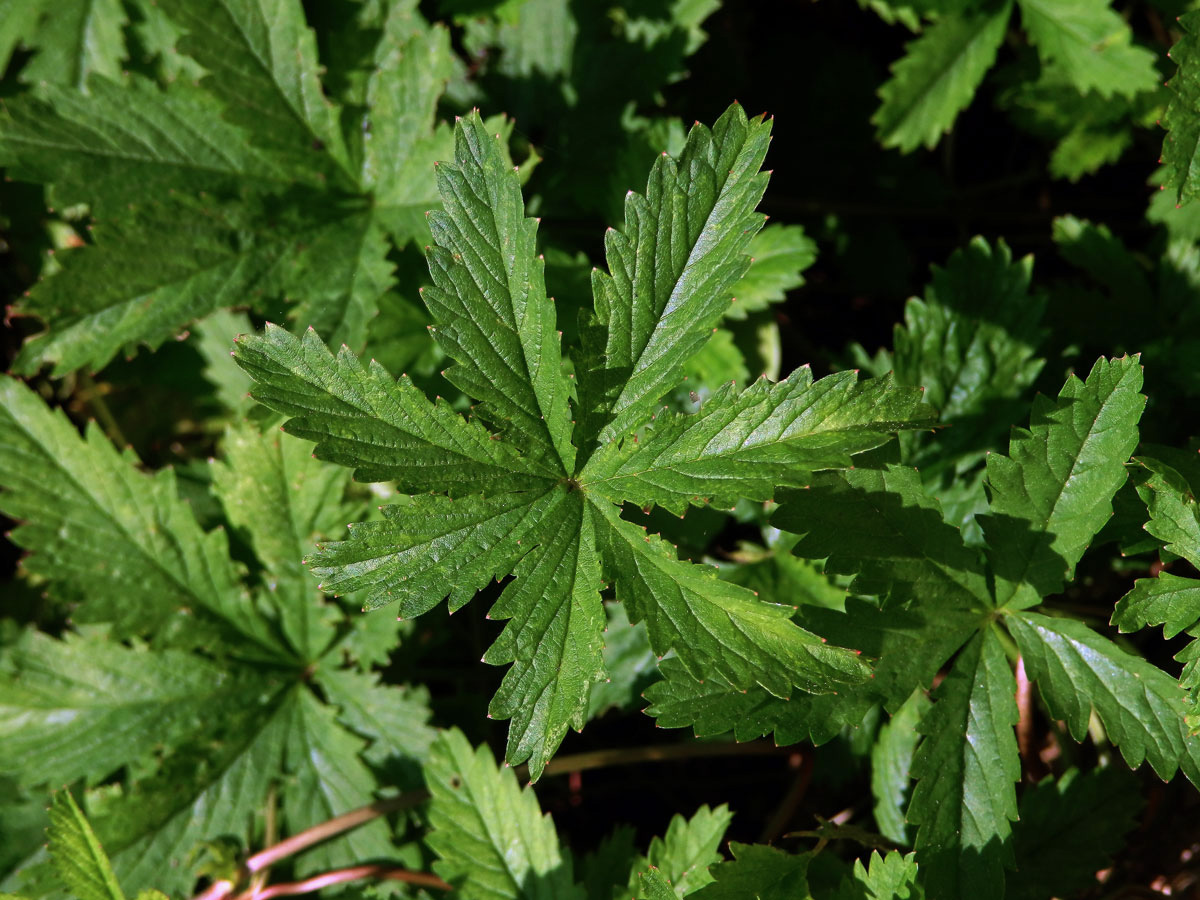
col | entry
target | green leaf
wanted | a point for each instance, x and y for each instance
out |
(281, 498)
(1094, 249)
(215, 334)
(714, 626)
(489, 300)
(629, 663)
(778, 254)
(890, 877)
(74, 39)
(653, 885)
(328, 779)
(1070, 829)
(553, 639)
(714, 706)
(78, 858)
(337, 273)
(891, 763)
(84, 706)
(153, 829)
(1181, 145)
(513, 505)
(262, 63)
(100, 529)
(129, 142)
(1169, 600)
(1091, 44)
(973, 336)
(670, 271)
(1166, 600)
(1053, 492)
(392, 718)
(966, 768)
(108, 299)
(491, 839)
(758, 872)
(880, 526)
(385, 429)
(400, 145)
(938, 76)
(684, 854)
(1080, 672)
(749, 444)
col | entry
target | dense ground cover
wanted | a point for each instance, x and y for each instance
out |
(816, 490)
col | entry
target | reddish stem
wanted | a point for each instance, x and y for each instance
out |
(341, 876)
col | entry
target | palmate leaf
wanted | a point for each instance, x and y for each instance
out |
(101, 530)
(244, 185)
(521, 497)
(1053, 492)
(938, 76)
(491, 838)
(966, 767)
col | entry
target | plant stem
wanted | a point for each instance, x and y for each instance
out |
(331, 828)
(341, 876)
(578, 762)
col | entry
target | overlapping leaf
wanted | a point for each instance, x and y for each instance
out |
(1080, 672)
(522, 497)
(1170, 600)
(247, 183)
(491, 838)
(749, 444)
(99, 529)
(200, 724)
(1053, 492)
(683, 856)
(758, 872)
(670, 269)
(1091, 44)
(966, 766)
(714, 706)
